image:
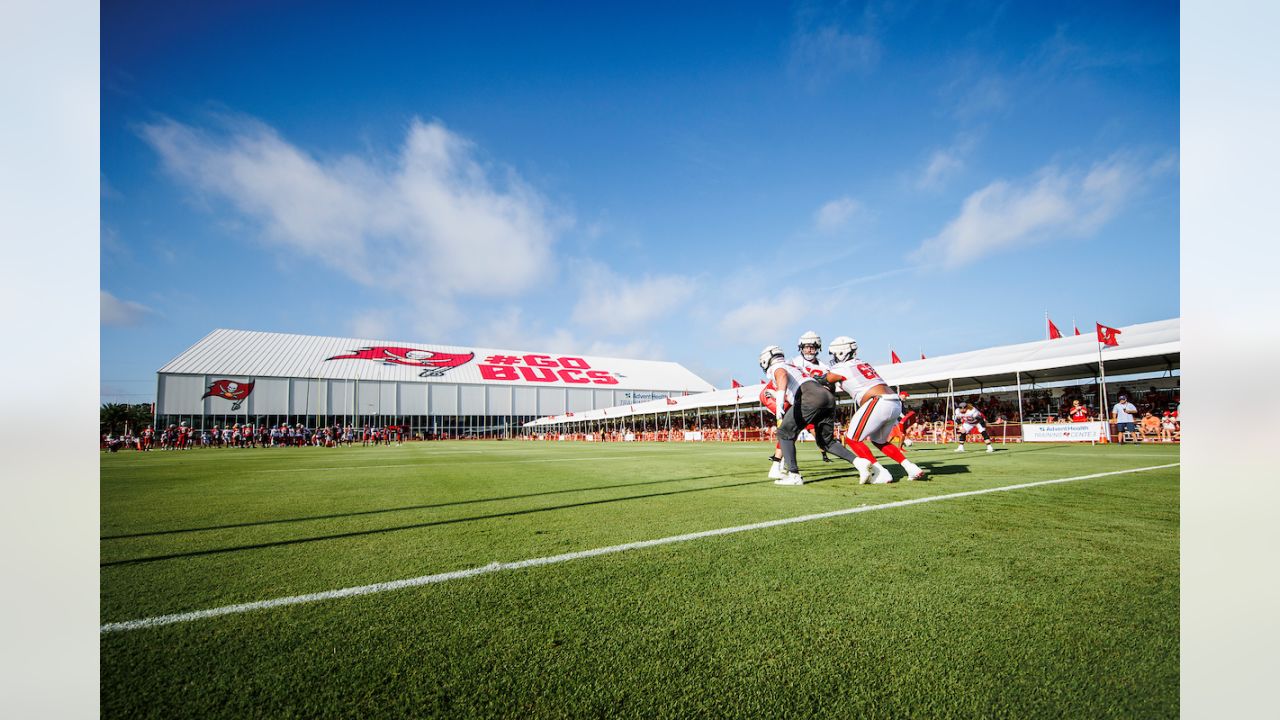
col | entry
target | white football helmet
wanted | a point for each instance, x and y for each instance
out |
(843, 349)
(768, 354)
(810, 344)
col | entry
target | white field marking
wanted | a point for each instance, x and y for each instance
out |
(535, 562)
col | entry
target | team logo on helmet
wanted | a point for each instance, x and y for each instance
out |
(231, 390)
(432, 362)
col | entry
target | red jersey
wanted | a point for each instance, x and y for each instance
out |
(1079, 414)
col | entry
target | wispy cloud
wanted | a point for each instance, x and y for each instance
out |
(835, 214)
(431, 224)
(945, 163)
(611, 304)
(826, 46)
(1051, 203)
(121, 313)
(763, 322)
(372, 324)
(512, 329)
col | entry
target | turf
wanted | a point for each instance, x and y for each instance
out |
(1052, 601)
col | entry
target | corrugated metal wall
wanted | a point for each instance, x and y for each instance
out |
(182, 395)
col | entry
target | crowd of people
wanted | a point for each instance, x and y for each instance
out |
(182, 437)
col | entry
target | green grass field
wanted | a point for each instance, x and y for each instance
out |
(1052, 601)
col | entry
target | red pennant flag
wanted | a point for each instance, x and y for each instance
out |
(737, 384)
(670, 401)
(1053, 329)
(1076, 329)
(1107, 335)
(894, 357)
(568, 414)
(922, 357)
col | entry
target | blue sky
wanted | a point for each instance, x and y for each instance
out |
(661, 181)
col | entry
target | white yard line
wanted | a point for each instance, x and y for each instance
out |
(535, 562)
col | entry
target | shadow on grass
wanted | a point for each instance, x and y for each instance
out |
(416, 526)
(406, 508)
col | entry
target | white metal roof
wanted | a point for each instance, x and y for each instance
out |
(245, 353)
(1143, 348)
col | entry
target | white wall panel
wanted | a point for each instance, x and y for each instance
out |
(413, 398)
(444, 399)
(525, 401)
(387, 399)
(499, 400)
(309, 397)
(182, 395)
(579, 400)
(551, 401)
(340, 400)
(603, 399)
(472, 400)
(270, 397)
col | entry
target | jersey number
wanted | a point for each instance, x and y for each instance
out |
(868, 372)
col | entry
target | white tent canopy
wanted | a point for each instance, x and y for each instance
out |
(1147, 347)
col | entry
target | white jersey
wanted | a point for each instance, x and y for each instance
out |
(795, 376)
(972, 418)
(816, 368)
(857, 377)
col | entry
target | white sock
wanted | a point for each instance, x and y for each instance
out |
(910, 467)
(863, 464)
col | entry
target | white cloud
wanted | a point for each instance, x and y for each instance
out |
(610, 303)
(117, 312)
(1051, 203)
(763, 322)
(372, 324)
(944, 163)
(512, 330)
(431, 224)
(833, 215)
(823, 48)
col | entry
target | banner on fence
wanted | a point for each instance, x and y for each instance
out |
(1064, 432)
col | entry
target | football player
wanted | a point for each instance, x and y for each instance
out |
(805, 402)
(810, 347)
(877, 414)
(968, 418)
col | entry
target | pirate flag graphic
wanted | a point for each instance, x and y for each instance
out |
(234, 391)
(432, 362)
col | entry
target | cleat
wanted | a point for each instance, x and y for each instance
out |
(990, 449)
(883, 476)
(775, 471)
(919, 475)
(791, 478)
(864, 470)
(960, 449)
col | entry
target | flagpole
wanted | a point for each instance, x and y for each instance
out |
(1018, 374)
(1046, 324)
(1102, 379)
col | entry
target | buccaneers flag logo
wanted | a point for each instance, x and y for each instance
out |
(433, 363)
(234, 391)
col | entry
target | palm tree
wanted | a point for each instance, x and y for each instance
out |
(112, 418)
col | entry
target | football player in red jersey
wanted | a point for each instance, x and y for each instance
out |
(1078, 412)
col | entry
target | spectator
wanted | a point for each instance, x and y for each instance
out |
(1150, 427)
(1122, 413)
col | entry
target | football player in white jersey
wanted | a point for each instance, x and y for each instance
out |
(809, 360)
(810, 403)
(879, 408)
(969, 418)
(810, 347)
